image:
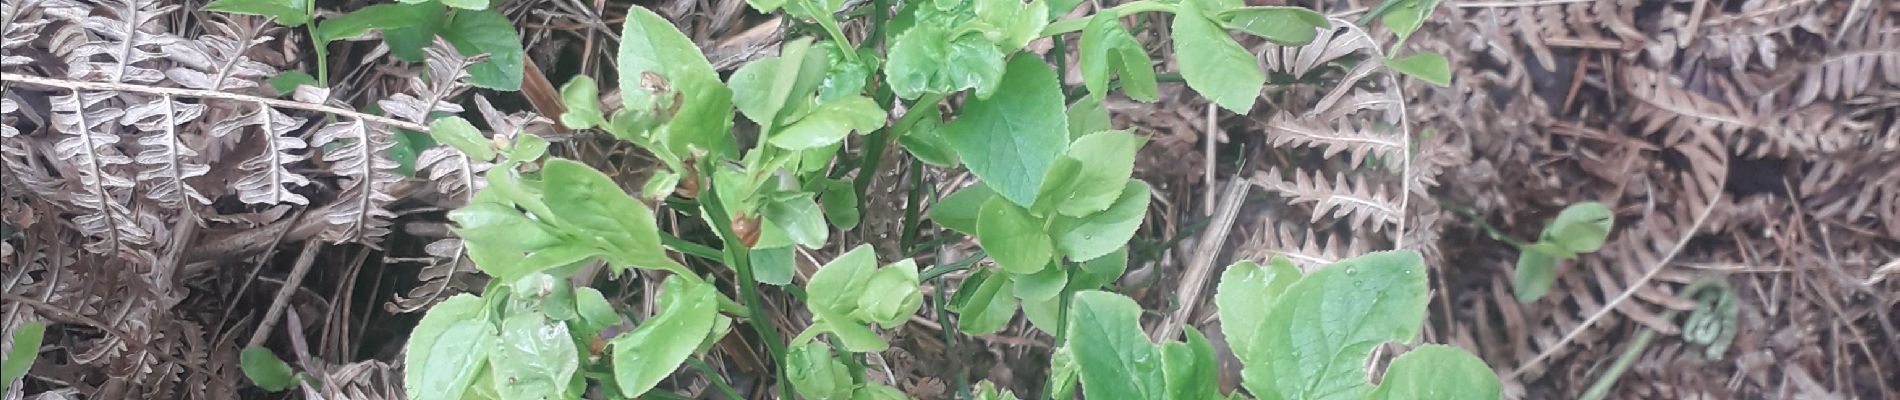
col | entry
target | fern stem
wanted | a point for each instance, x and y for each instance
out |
(206, 94)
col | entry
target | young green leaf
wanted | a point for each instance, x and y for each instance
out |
(892, 294)
(1438, 372)
(652, 351)
(1245, 290)
(1319, 332)
(816, 374)
(960, 210)
(840, 202)
(1107, 48)
(829, 123)
(488, 32)
(846, 77)
(1581, 227)
(1406, 16)
(1012, 23)
(926, 59)
(458, 133)
(1088, 115)
(1013, 237)
(1190, 369)
(984, 303)
(773, 266)
(1064, 371)
(581, 97)
(507, 245)
(287, 12)
(1107, 159)
(1212, 63)
(1286, 26)
(924, 139)
(650, 43)
(409, 145)
(465, 4)
(540, 357)
(622, 227)
(1042, 285)
(287, 82)
(265, 370)
(768, 89)
(406, 43)
(798, 216)
(1536, 271)
(26, 349)
(1116, 359)
(377, 17)
(1428, 67)
(1010, 140)
(1094, 235)
(596, 314)
(987, 390)
(1100, 271)
(448, 348)
(837, 285)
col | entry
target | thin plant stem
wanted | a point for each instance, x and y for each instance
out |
(736, 257)
(718, 381)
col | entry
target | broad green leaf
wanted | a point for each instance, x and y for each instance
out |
(1190, 369)
(1212, 63)
(660, 185)
(596, 313)
(984, 303)
(487, 32)
(378, 17)
(1057, 184)
(500, 240)
(1106, 49)
(287, 82)
(1315, 339)
(458, 133)
(1100, 271)
(287, 12)
(874, 391)
(815, 374)
(799, 216)
(1117, 361)
(925, 140)
(768, 90)
(1581, 227)
(1013, 238)
(652, 351)
(1095, 235)
(1406, 16)
(773, 266)
(467, 4)
(26, 349)
(830, 123)
(766, 6)
(1428, 67)
(581, 97)
(853, 335)
(650, 43)
(1088, 115)
(407, 42)
(1246, 290)
(926, 59)
(959, 211)
(1042, 285)
(1283, 25)
(622, 226)
(837, 285)
(1438, 372)
(1011, 139)
(840, 202)
(1045, 314)
(265, 370)
(1536, 271)
(1107, 159)
(448, 348)
(540, 357)
(526, 148)
(892, 294)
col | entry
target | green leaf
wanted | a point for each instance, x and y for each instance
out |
(816, 374)
(458, 133)
(773, 266)
(1286, 26)
(925, 59)
(407, 43)
(840, 201)
(1013, 238)
(26, 348)
(853, 335)
(409, 145)
(960, 210)
(378, 17)
(1117, 361)
(830, 123)
(1536, 271)
(596, 313)
(1245, 291)
(1212, 63)
(448, 348)
(622, 227)
(845, 77)
(1064, 371)
(1042, 285)
(652, 351)
(769, 90)
(766, 6)
(987, 390)
(1106, 159)
(891, 295)
(837, 285)
(467, 4)
(1428, 67)
(1011, 24)
(501, 241)
(799, 217)
(1107, 48)
(1581, 227)
(1100, 271)
(540, 357)
(874, 391)
(1438, 372)
(1088, 115)
(650, 43)
(487, 32)
(1406, 16)
(984, 303)
(1010, 140)
(1098, 234)
(287, 82)
(1317, 336)
(925, 140)
(287, 12)
(265, 370)
(1190, 369)
(581, 97)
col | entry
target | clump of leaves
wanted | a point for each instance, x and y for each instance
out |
(1580, 228)
(407, 27)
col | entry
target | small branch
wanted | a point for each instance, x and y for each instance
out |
(206, 94)
(58, 313)
(1201, 264)
(291, 283)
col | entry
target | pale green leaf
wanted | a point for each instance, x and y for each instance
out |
(596, 314)
(837, 285)
(650, 43)
(924, 139)
(1429, 67)
(815, 374)
(773, 266)
(540, 355)
(458, 133)
(581, 97)
(840, 202)
(1406, 16)
(830, 123)
(652, 351)
(891, 295)
(1106, 49)
(959, 211)
(1107, 159)
(1088, 115)
(1283, 25)
(1213, 64)
(1438, 372)
(1013, 237)
(448, 349)
(1094, 235)
(1246, 290)
(1011, 139)
(925, 59)
(984, 303)
(623, 227)
(265, 370)
(467, 4)
(26, 348)
(1042, 285)
(1190, 369)
(1581, 227)
(287, 12)
(376, 17)
(800, 218)
(1536, 271)
(1115, 358)
(1318, 334)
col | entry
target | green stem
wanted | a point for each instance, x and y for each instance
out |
(878, 10)
(321, 45)
(689, 248)
(944, 269)
(717, 380)
(1073, 25)
(830, 24)
(736, 256)
(875, 143)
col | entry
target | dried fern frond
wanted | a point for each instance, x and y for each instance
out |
(1348, 197)
(165, 160)
(217, 61)
(95, 158)
(265, 179)
(1874, 58)
(20, 23)
(358, 153)
(1309, 251)
(1333, 136)
(1665, 106)
(447, 68)
(1760, 30)
(128, 34)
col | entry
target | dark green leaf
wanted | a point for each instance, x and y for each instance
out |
(407, 43)
(1098, 234)
(408, 146)
(960, 210)
(287, 82)
(379, 17)
(287, 12)
(448, 348)
(840, 202)
(1317, 335)
(487, 32)
(458, 133)
(800, 219)
(1212, 63)
(1013, 237)
(1117, 361)
(1438, 372)
(1088, 115)
(925, 140)
(1286, 26)
(1428, 67)
(1010, 140)
(652, 351)
(265, 370)
(1245, 292)
(1100, 271)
